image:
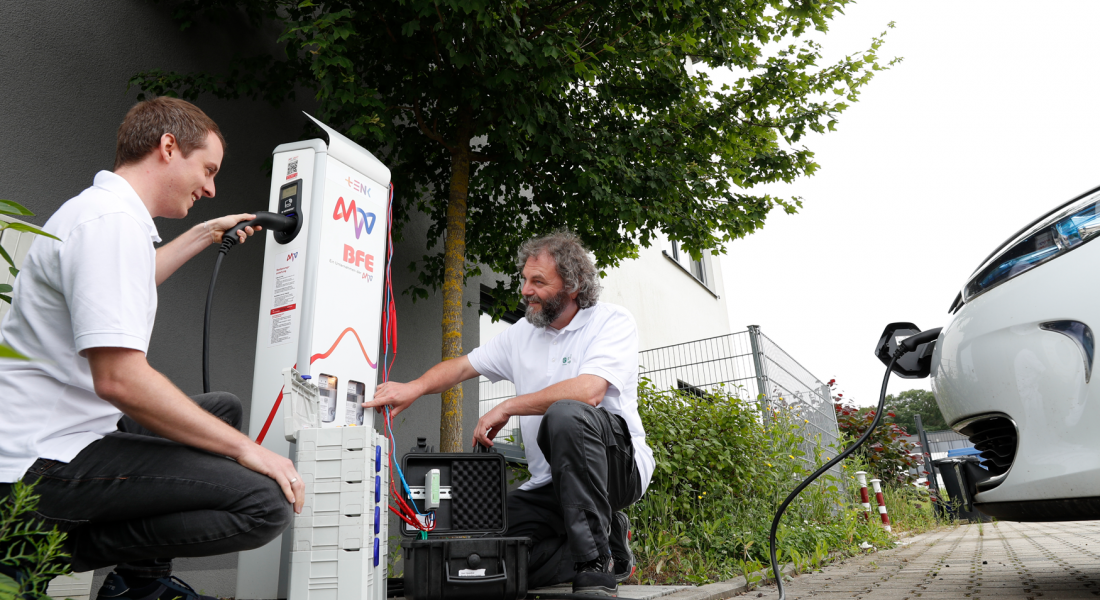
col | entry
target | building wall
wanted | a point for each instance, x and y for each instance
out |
(63, 93)
(669, 304)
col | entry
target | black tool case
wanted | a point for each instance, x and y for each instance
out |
(490, 568)
(461, 557)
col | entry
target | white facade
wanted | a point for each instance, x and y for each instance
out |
(673, 298)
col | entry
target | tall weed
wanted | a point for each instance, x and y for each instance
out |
(722, 470)
(27, 544)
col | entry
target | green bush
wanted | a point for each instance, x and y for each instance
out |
(25, 543)
(721, 473)
(889, 456)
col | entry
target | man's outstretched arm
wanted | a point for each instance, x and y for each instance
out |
(124, 378)
(438, 378)
(172, 255)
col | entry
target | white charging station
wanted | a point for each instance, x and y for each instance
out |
(320, 313)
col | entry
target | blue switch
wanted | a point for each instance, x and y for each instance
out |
(377, 520)
(378, 459)
(376, 552)
(377, 489)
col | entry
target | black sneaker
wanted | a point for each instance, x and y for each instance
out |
(596, 577)
(165, 588)
(620, 546)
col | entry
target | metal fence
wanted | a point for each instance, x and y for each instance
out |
(491, 394)
(751, 367)
(743, 365)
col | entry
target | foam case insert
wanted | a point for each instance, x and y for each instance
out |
(478, 485)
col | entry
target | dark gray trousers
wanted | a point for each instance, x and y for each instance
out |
(593, 475)
(132, 497)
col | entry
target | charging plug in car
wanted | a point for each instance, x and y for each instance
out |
(288, 225)
(916, 346)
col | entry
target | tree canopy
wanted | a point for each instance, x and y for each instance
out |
(505, 119)
(916, 402)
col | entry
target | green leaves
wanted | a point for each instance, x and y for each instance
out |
(28, 229)
(720, 474)
(8, 207)
(7, 257)
(27, 542)
(584, 114)
(9, 589)
(915, 402)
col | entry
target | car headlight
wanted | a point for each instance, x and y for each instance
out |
(1061, 231)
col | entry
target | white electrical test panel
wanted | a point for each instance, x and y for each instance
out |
(339, 545)
(317, 358)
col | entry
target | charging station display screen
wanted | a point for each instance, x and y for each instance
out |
(356, 396)
(327, 385)
(289, 191)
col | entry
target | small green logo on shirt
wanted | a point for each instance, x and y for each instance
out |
(567, 359)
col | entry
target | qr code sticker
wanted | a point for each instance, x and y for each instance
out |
(292, 167)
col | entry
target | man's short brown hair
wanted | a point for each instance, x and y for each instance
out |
(148, 121)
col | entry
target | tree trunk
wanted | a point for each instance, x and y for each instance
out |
(454, 268)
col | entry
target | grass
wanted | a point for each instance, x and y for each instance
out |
(910, 510)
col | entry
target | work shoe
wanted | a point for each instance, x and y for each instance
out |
(620, 546)
(596, 577)
(165, 588)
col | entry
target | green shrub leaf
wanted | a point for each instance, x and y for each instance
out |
(8, 207)
(31, 229)
(9, 589)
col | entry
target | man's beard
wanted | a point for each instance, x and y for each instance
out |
(551, 309)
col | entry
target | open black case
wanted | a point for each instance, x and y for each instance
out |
(473, 492)
(464, 557)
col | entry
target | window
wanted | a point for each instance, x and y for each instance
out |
(696, 267)
(488, 302)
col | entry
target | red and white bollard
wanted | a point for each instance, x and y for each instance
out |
(877, 484)
(861, 477)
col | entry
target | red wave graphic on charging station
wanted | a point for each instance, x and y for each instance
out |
(351, 212)
(312, 359)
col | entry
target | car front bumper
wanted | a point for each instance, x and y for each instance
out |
(994, 359)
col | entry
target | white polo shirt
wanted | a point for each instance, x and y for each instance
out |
(95, 288)
(601, 340)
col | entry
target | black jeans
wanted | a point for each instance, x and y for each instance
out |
(593, 474)
(132, 499)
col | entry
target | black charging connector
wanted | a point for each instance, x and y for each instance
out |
(268, 220)
(905, 347)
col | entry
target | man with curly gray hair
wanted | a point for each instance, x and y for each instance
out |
(578, 274)
(574, 361)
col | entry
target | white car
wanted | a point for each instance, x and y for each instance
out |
(1013, 369)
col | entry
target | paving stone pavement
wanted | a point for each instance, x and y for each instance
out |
(997, 561)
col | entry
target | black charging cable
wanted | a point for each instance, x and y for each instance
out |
(270, 220)
(907, 345)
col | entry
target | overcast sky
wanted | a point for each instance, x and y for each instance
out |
(991, 120)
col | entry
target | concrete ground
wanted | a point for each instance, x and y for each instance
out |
(1001, 561)
(994, 561)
